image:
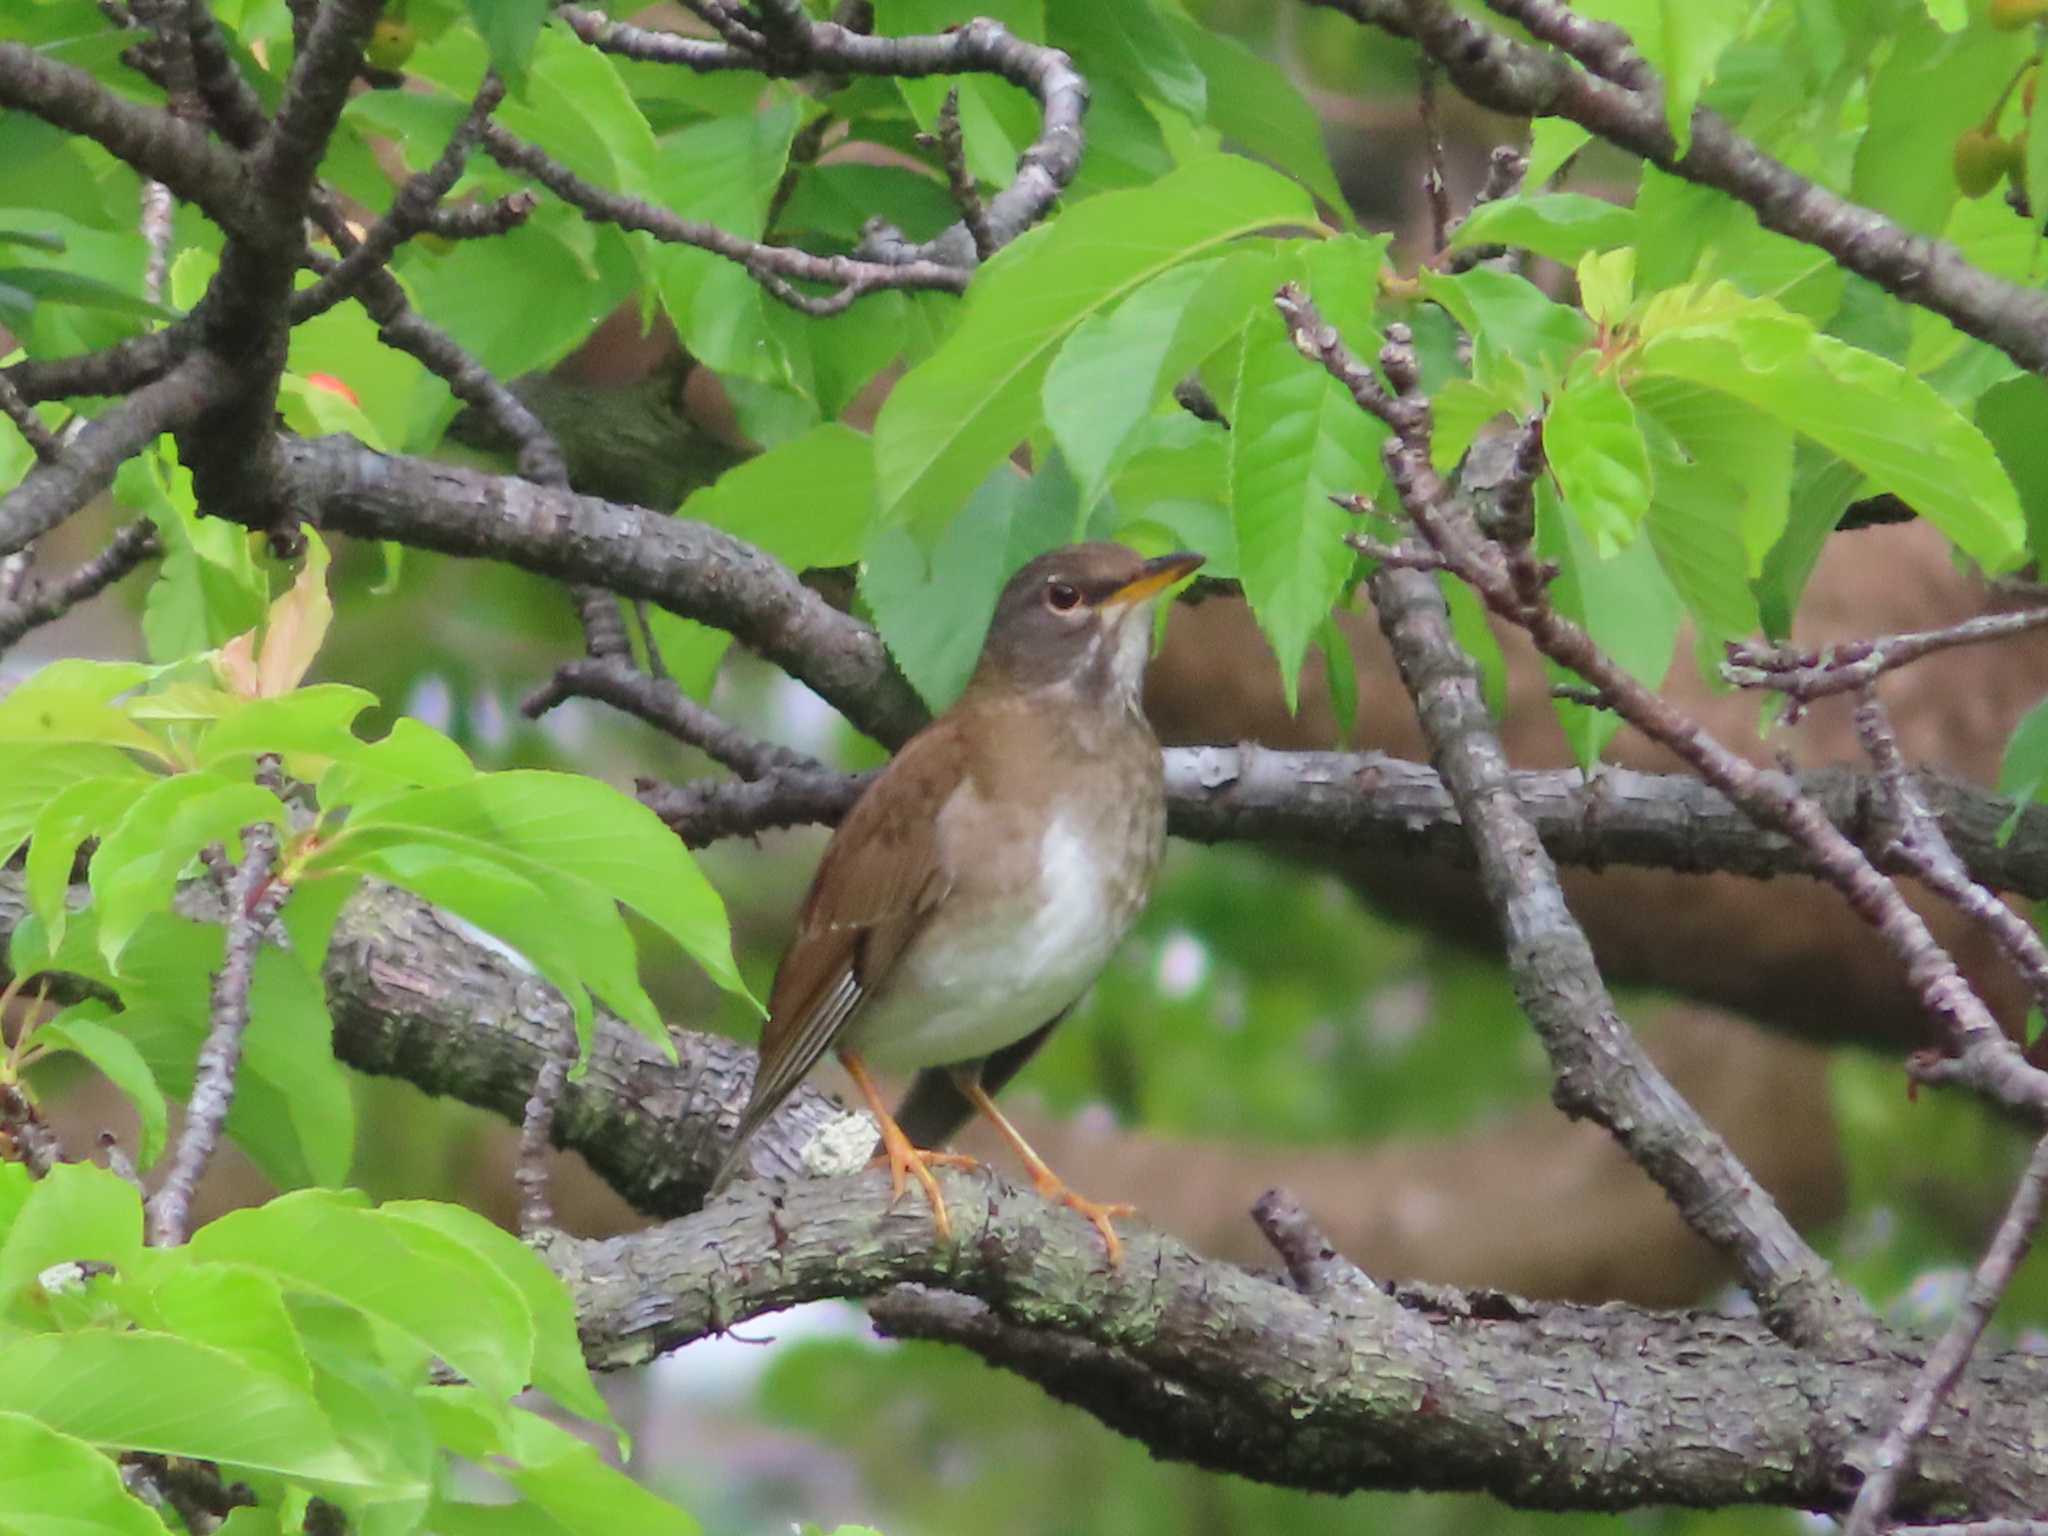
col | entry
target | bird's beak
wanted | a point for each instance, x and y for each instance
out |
(1154, 577)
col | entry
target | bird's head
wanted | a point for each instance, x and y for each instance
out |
(1080, 616)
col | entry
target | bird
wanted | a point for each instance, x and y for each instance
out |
(983, 880)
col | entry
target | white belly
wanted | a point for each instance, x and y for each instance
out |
(961, 993)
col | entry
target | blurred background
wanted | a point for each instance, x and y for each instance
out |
(1281, 1016)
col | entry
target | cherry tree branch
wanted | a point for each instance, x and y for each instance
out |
(1619, 99)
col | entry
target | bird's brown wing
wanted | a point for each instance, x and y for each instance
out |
(876, 886)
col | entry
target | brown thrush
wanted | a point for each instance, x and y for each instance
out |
(981, 883)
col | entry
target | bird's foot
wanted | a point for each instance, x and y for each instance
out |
(1053, 1187)
(906, 1162)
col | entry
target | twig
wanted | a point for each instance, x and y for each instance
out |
(1434, 189)
(1894, 1455)
(662, 704)
(773, 266)
(1805, 675)
(253, 901)
(1505, 168)
(40, 438)
(1524, 81)
(409, 210)
(1510, 583)
(1926, 852)
(960, 180)
(1599, 1070)
(1313, 1263)
(52, 491)
(134, 544)
(709, 810)
(536, 1131)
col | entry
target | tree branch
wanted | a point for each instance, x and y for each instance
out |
(1548, 1407)
(1513, 77)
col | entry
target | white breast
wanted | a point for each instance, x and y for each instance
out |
(962, 993)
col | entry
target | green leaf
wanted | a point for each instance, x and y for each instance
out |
(144, 1391)
(1131, 41)
(241, 1311)
(933, 611)
(955, 416)
(1746, 449)
(292, 1111)
(48, 285)
(1522, 340)
(571, 826)
(1561, 225)
(1696, 32)
(509, 29)
(569, 1485)
(1116, 367)
(2025, 769)
(429, 1287)
(304, 723)
(83, 1030)
(2010, 415)
(558, 1365)
(75, 1213)
(1595, 448)
(1256, 107)
(412, 756)
(1607, 286)
(67, 704)
(137, 865)
(808, 502)
(57, 1485)
(1688, 525)
(1622, 601)
(1868, 410)
(82, 810)
(1929, 89)
(1297, 438)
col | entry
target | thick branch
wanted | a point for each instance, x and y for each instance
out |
(1550, 1407)
(53, 491)
(685, 567)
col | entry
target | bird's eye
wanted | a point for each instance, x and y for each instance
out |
(1060, 597)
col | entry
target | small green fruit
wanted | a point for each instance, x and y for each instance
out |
(392, 42)
(1981, 160)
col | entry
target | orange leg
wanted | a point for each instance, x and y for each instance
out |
(905, 1161)
(1048, 1183)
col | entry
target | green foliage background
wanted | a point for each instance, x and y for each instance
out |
(1716, 395)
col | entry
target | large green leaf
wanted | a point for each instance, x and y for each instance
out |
(1623, 601)
(1868, 410)
(959, 413)
(570, 826)
(1133, 42)
(1595, 448)
(87, 809)
(54, 1484)
(1256, 106)
(1561, 225)
(292, 1112)
(230, 1307)
(1297, 439)
(430, 1287)
(1116, 367)
(75, 1213)
(808, 502)
(933, 609)
(138, 862)
(146, 1391)
(558, 1365)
